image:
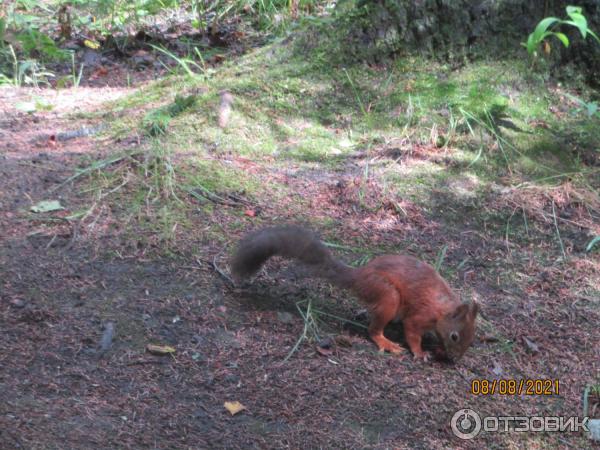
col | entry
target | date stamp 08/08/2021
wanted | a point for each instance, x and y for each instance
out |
(467, 423)
(524, 386)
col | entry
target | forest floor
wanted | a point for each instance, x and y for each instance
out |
(377, 161)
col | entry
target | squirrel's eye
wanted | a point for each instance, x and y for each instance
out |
(454, 336)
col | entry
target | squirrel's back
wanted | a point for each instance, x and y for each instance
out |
(416, 284)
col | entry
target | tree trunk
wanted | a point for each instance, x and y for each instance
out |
(456, 28)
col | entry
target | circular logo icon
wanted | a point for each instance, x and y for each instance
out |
(466, 424)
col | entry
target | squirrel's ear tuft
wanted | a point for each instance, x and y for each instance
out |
(460, 311)
(474, 308)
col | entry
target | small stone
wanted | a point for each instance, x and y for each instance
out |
(343, 341)
(18, 303)
(326, 343)
(594, 427)
(231, 378)
(361, 315)
(285, 317)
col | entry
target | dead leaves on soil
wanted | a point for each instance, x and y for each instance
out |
(46, 206)
(160, 350)
(234, 407)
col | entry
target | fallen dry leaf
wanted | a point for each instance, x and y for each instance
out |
(46, 206)
(497, 368)
(324, 351)
(89, 43)
(234, 407)
(325, 346)
(531, 346)
(488, 338)
(160, 350)
(99, 72)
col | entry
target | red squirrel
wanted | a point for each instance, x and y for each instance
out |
(393, 287)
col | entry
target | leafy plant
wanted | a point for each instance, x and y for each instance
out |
(157, 121)
(185, 63)
(23, 46)
(26, 72)
(269, 15)
(590, 108)
(75, 76)
(106, 16)
(2, 31)
(545, 29)
(39, 45)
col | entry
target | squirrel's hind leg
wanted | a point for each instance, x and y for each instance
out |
(383, 313)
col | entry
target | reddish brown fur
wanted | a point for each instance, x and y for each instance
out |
(398, 287)
(393, 287)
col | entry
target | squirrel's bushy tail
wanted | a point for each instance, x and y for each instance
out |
(292, 242)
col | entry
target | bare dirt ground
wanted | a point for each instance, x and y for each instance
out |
(63, 284)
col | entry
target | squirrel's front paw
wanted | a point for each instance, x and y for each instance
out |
(385, 345)
(423, 356)
(391, 347)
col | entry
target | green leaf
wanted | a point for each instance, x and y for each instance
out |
(576, 99)
(25, 66)
(530, 45)
(581, 26)
(594, 35)
(562, 38)
(592, 243)
(540, 29)
(592, 108)
(573, 10)
(46, 206)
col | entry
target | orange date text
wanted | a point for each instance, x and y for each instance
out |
(524, 386)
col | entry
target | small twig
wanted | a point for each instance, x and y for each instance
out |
(341, 319)
(96, 166)
(74, 230)
(49, 244)
(116, 188)
(562, 247)
(342, 247)
(304, 331)
(239, 200)
(572, 222)
(506, 241)
(89, 212)
(440, 259)
(229, 282)
(92, 225)
(209, 195)
(525, 221)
